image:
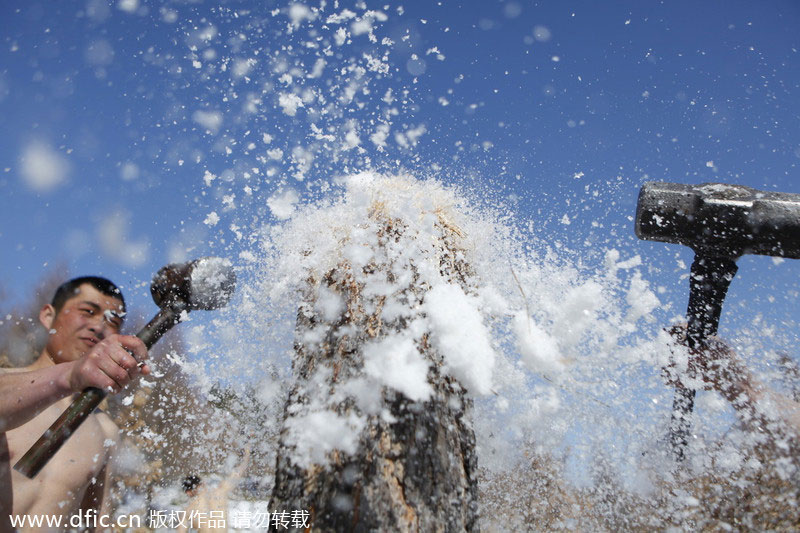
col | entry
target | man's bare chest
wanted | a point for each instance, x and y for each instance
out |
(65, 477)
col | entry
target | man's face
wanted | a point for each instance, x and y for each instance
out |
(83, 321)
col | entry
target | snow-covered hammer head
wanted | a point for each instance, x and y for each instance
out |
(720, 219)
(206, 283)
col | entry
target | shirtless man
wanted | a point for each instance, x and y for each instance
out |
(84, 350)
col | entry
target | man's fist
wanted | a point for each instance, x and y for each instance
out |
(110, 365)
(711, 366)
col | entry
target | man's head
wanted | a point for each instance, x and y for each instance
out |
(69, 289)
(83, 312)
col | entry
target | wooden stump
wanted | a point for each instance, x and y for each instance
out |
(411, 464)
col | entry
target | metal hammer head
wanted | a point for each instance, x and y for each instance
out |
(720, 219)
(206, 283)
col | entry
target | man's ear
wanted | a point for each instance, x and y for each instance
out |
(46, 316)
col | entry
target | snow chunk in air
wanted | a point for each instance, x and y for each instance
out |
(129, 6)
(42, 168)
(539, 350)
(395, 361)
(113, 237)
(289, 102)
(210, 120)
(316, 434)
(458, 332)
(212, 219)
(281, 204)
(300, 12)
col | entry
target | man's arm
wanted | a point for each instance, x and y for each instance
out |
(109, 366)
(23, 395)
(719, 368)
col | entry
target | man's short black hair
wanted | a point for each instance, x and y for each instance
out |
(190, 482)
(70, 288)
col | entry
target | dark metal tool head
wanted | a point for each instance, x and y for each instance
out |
(206, 283)
(720, 219)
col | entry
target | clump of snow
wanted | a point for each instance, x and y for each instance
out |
(42, 168)
(289, 102)
(640, 299)
(129, 6)
(170, 16)
(330, 304)
(457, 330)
(538, 349)
(129, 171)
(242, 67)
(281, 204)
(410, 137)
(395, 361)
(366, 23)
(300, 12)
(210, 120)
(542, 33)
(112, 232)
(98, 10)
(99, 53)
(212, 282)
(378, 138)
(212, 219)
(317, 433)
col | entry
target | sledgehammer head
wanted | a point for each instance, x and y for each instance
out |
(206, 283)
(720, 219)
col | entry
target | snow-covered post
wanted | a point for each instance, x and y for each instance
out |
(377, 433)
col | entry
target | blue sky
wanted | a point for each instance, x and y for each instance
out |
(114, 111)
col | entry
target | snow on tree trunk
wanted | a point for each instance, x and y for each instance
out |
(377, 433)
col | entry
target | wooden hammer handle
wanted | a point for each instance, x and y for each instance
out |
(709, 280)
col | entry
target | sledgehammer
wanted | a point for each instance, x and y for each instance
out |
(720, 223)
(207, 283)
